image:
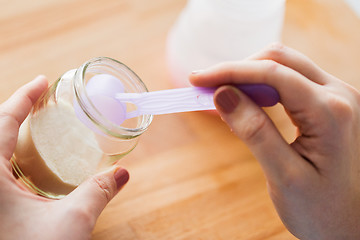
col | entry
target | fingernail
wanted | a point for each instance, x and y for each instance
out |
(121, 176)
(227, 100)
(196, 72)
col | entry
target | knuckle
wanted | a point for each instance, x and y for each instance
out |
(355, 96)
(105, 187)
(341, 108)
(225, 70)
(271, 66)
(275, 50)
(252, 130)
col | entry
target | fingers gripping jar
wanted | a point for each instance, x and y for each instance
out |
(77, 129)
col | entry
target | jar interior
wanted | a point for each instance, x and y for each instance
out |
(101, 90)
(97, 84)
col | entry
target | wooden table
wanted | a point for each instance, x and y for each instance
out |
(191, 178)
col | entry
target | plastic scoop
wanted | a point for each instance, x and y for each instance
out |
(190, 99)
(107, 94)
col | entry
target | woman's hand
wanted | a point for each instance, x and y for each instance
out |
(314, 182)
(24, 215)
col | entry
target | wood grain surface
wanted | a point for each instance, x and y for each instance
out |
(191, 178)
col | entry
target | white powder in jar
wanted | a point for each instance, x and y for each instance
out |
(67, 146)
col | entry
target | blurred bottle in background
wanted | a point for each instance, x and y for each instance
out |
(212, 31)
(355, 6)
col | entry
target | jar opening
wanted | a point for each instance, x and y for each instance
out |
(101, 111)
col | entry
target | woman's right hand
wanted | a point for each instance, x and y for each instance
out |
(314, 182)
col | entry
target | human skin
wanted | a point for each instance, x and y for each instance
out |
(24, 215)
(314, 182)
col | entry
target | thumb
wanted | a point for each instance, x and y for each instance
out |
(96, 192)
(251, 124)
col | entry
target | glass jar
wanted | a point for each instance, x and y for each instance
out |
(211, 31)
(76, 128)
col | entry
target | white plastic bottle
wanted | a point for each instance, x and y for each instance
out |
(212, 31)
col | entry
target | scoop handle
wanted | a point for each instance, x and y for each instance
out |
(192, 99)
(263, 95)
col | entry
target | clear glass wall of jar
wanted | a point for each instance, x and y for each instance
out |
(74, 131)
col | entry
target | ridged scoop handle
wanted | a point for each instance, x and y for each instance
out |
(190, 99)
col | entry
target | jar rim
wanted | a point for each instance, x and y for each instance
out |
(88, 107)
